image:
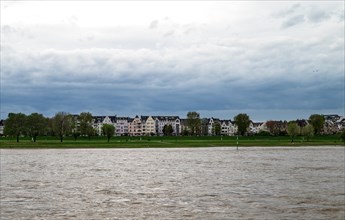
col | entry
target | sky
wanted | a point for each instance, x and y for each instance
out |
(280, 60)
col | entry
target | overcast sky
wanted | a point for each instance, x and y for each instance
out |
(272, 60)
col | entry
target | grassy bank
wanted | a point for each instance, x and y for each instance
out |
(167, 142)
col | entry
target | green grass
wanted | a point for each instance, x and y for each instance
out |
(167, 142)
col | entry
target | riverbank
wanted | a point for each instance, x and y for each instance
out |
(169, 142)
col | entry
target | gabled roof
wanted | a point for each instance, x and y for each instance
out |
(100, 119)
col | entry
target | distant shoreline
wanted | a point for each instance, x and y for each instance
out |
(171, 142)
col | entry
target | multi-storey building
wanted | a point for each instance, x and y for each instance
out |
(135, 126)
(148, 125)
(122, 126)
(228, 128)
(256, 127)
(211, 125)
(99, 121)
(161, 121)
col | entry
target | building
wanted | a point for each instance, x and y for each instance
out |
(256, 127)
(122, 126)
(211, 126)
(2, 126)
(228, 128)
(161, 121)
(148, 125)
(135, 126)
(98, 121)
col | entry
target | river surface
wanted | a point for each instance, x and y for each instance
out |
(186, 183)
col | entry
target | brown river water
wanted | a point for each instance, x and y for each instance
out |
(186, 183)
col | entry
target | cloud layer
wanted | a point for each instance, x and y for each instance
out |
(290, 59)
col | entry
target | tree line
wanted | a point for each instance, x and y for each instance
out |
(63, 124)
(198, 126)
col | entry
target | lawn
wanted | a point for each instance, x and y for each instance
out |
(168, 142)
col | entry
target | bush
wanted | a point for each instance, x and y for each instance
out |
(342, 136)
(264, 133)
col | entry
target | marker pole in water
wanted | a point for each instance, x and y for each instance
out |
(237, 142)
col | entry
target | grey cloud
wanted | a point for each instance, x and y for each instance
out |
(154, 24)
(293, 21)
(169, 33)
(317, 16)
(206, 78)
(211, 74)
(341, 15)
(291, 10)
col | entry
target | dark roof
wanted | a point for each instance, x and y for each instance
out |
(168, 118)
(122, 118)
(301, 122)
(333, 118)
(99, 119)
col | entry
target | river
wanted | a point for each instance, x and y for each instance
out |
(179, 183)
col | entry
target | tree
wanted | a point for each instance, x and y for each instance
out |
(168, 130)
(272, 127)
(293, 130)
(36, 124)
(85, 124)
(342, 136)
(108, 130)
(185, 132)
(242, 121)
(317, 121)
(194, 122)
(15, 125)
(91, 132)
(61, 123)
(216, 128)
(308, 131)
(75, 127)
(204, 126)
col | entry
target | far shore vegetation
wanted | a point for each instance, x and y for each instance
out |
(67, 131)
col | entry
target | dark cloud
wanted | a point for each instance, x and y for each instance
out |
(205, 67)
(91, 81)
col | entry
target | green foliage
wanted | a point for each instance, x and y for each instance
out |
(75, 127)
(36, 124)
(108, 130)
(185, 132)
(91, 132)
(263, 133)
(168, 130)
(62, 124)
(166, 142)
(85, 124)
(194, 123)
(15, 125)
(242, 121)
(293, 130)
(204, 126)
(342, 135)
(308, 131)
(317, 121)
(216, 128)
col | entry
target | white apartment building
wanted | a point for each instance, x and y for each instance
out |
(161, 121)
